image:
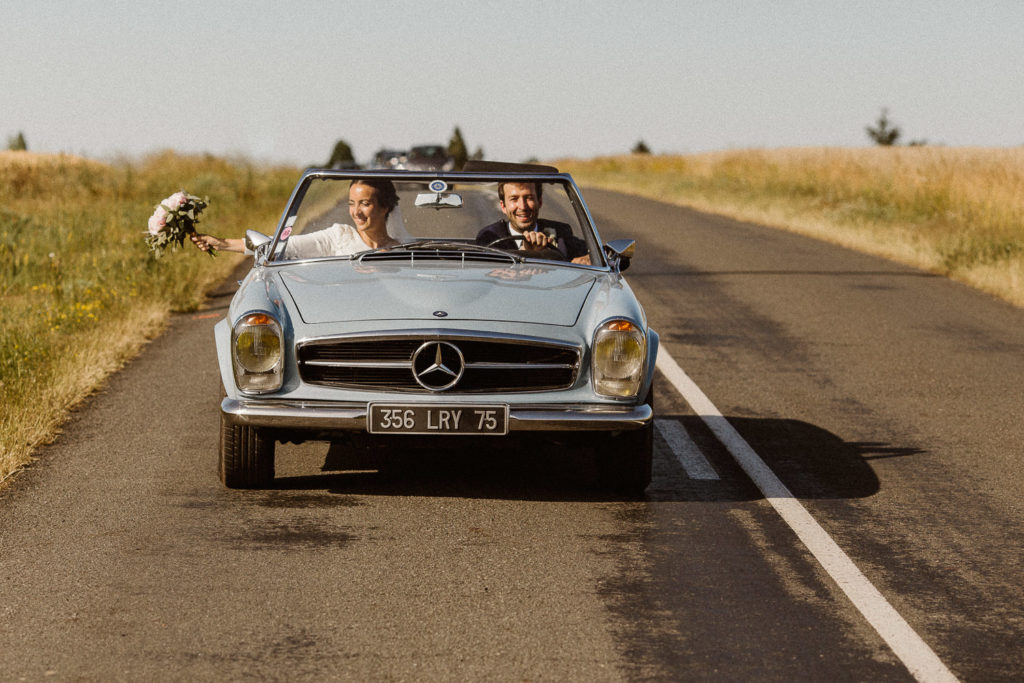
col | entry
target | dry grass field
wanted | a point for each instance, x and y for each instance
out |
(958, 212)
(79, 291)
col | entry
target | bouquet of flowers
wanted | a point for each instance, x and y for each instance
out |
(173, 221)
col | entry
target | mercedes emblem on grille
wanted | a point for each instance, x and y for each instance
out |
(437, 365)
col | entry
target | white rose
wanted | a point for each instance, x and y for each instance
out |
(175, 200)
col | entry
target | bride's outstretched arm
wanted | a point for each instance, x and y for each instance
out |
(206, 242)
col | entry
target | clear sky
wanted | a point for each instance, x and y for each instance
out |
(282, 81)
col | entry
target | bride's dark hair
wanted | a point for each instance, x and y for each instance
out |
(386, 194)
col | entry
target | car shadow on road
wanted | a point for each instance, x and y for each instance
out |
(812, 462)
(475, 468)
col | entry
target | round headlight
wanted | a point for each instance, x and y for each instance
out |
(619, 354)
(258, 343)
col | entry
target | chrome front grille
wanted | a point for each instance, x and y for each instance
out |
(491, 365)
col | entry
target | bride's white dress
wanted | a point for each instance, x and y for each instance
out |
(340, 239)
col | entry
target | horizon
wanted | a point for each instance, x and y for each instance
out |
(120, 158)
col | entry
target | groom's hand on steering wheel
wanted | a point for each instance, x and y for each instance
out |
(535, 241)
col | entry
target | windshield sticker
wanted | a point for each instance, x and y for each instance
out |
(438, 186)
(287, 231)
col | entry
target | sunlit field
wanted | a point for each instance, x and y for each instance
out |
(79, 290)
(958, 212)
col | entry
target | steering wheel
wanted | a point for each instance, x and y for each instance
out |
(549, 253)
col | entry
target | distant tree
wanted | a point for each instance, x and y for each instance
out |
(917, 143)
(641, 148)
(17, 142)
(478, 155)
(341, 157)
(457, 149)
(883, 132)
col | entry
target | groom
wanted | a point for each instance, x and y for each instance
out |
(521, 202)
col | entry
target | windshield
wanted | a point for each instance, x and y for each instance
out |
(334, 217)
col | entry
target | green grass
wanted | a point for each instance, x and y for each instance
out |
(79, 290)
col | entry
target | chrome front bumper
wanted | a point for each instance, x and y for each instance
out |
(320, 415)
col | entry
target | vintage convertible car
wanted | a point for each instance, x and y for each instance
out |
(446, 336)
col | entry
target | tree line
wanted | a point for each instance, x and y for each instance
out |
(883, 133)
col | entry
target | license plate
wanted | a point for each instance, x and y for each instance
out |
(388, 418)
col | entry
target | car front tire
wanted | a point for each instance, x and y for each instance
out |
(626, 460)
(246, 456)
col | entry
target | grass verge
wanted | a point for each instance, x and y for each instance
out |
(954, 211)
(80, 292)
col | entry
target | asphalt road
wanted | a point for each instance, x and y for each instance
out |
(886, 400)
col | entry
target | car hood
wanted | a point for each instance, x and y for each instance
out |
(346, 291)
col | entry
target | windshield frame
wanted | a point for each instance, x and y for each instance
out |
(579, 207)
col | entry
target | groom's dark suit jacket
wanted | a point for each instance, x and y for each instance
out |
(570, 245)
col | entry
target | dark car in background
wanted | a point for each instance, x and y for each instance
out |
(389, 159)
(429, 158)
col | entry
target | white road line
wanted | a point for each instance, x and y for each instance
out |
(920, 660)
(687, 452)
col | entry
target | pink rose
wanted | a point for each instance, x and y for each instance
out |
(158, 220)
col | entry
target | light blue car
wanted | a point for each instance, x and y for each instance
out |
(416, 306)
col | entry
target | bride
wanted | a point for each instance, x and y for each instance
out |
(370, 202)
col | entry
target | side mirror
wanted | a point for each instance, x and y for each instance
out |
(258, 244)
(620, 252)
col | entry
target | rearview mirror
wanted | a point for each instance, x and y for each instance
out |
(437, 200)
